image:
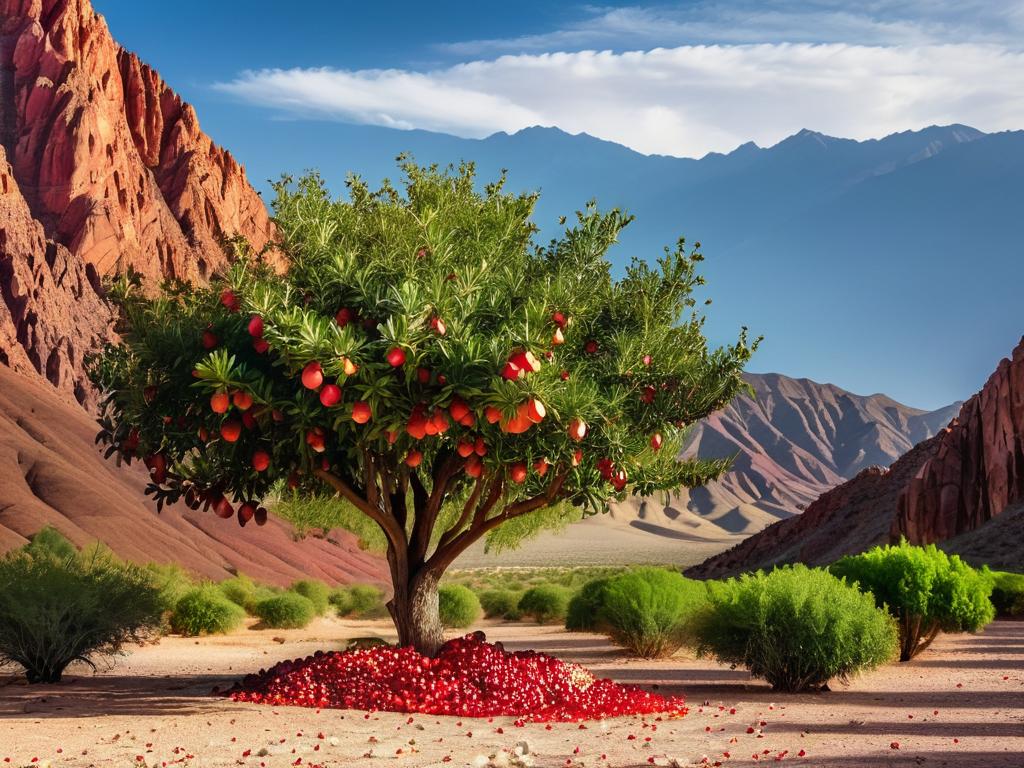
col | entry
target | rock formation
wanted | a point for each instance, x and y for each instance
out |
(978, 468)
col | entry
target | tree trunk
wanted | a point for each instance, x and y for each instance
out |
(414, 610)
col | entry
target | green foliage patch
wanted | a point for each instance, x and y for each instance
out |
(458, 606)
(204, 610)
(545, 603)
(287, 610)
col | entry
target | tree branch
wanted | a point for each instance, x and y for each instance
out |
(426, 517)
(387, 523)
(467, 510)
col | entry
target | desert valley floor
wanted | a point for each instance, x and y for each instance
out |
(960, 704)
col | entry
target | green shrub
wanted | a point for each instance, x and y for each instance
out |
(341, 601)
(459, 606)
(796, 627)
(239, 589)
(926, 590)
(54, 611)
(545, 603)
(204, 610)
(584, 611)
(288, 610)
(49, 542)
(316, 592)
(646, 609)
(500, 603)
(366, 601)
(172, 581)
(1008, 594)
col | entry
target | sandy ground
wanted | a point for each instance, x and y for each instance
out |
(961, 704)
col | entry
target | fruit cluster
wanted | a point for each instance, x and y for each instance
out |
(468, 678)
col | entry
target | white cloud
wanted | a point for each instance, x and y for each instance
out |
(682, 101)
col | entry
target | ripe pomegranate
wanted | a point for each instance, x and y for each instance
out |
(248, 420)
(242, 400)
(534, 410)
(261, 516)
(648, 395)
(220, 402)
(396, 357)
(656, 441)
(469, 420)
(464, 448)
(591, 347)
(312, 375)
(222, 507)
(517, 472)
(438, 325)
(246, 512)
(619, 479)
(344, 316)
(330, 395)
(480, 447)
(557, 338)
(229, 300)
(210, 340)
(260, 346)
(361, 412)
(647, 359)
(256, 327)
(526, 361)
(564, 375)
(413, 458)
(511, 371)
(315, 439)
(474, 466)
(260, 461)
(423, 375)
(458, 408)
(577, 429)
(558, 318)
(540, 466)
(348, 366)
(577, 457)
(231, 430)
(392, 436)
(492, 414)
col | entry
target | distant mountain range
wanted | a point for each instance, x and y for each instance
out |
(852, 257)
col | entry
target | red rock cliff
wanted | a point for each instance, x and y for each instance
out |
(110, 160)
(978, 468)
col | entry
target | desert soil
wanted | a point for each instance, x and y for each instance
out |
(961, 704)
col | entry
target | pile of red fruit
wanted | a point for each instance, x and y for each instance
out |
(468, 678)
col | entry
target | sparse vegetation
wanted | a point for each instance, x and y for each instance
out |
(500, 603)
(926, 590)
(545, 603)
(318, 593)
(204, 610)
(50, 542)
(796, 627)
(1008, 594)
(458, 606)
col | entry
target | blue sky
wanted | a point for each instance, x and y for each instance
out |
(682, 78)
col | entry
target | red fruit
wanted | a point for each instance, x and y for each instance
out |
(558, 318)
(348, 366)
(647, 359)
(526, 361)
(458, 408)
(423, 375)
(511, 371)
(619, 479)
(330, 395)
(474, 466)
(417, 427)
(439, 421)
(391, 436)
(517, 472)
(229, 300)
(344, 316)
(396, 357)
(261, 346)
(442, 379)
(315, 439)
(157, 465)
(469, 420)
(464, 449)
(557, 338)
(438, 325)
(242, 400)
(590, 347)
(260, 461)
(894, 745)
(656, 441)
(220, 402)
(577, 457)
(203, 434)
(256, 327)
(492, 414)
(518, 424)
(648, 395)
(260, 516)
(312, 375)
(535, 410)
(361, 412)
(540, 466)
(248, 420)
(564, 375)
(223, 508)
(132, 441)
(246, 512)
(210, 340)
(231, 430)
(577, 429)
(479, 447)
(277, 416)
(413, 458)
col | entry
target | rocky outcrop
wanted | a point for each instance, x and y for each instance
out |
(978, 467)
(109, 159)
(51, 313)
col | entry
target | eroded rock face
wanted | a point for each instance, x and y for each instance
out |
(978, 468)
(109, 159)
(51, 313)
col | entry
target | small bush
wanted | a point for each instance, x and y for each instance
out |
(54, 611)
(796, 627)
(366, 601)
(288, 610)
(1008, 594)
(316, 592)
(341, 601)
(500, 603)
(239, 589)
(584, 611)
(459, 606)
(646, 610)
(172, 581)
(204, 610)
(926, 590)
(545, 603)
(49, 542)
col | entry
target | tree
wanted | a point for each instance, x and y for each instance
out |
(423, 359)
